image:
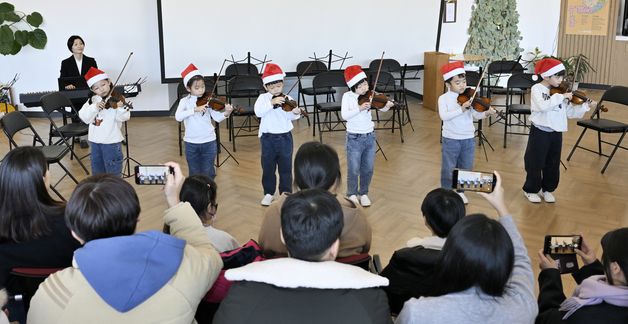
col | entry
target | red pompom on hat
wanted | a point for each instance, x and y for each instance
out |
(94, 75)
(189, 72)
(354, 74)
(548, 67)
(452, 69)
(272, 73)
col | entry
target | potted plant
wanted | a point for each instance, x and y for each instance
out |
(13, 35)
(576, 67)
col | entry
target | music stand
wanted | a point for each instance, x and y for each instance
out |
(219, 147)
(126, 162)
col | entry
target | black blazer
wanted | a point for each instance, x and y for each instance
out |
(69, 69)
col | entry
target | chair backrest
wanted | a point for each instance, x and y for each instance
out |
(56, 101)
(499, 67)
(329, 79)
(521, 81)
(246, 83)
(472, 77)
(384, 79)
(388, 65)
(239, 69)
(314, 69)
(616, 94)
(14, 122)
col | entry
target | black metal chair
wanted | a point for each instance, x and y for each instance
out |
(329, 79)
(518, 85)
(498, 70)
(315, 67)
(57, 102)
(15, 121)
(619, 95)
(386, 84)
(236, 70)
(394, 67)
(244, 84)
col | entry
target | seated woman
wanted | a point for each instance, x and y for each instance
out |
(316, 166)
(32, 228)
(602, 292)
(200, 191)
(410, 269)
(483, 275)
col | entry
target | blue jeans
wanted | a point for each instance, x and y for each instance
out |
(106, 158)
(455, 154)
(201, 158)
(276, 154)
(360, 162)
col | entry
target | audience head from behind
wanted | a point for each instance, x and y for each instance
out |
(311, 223)
(478, 252)
(200, 191)
(25, 203)
(102, 206)
(442, 209)
(615, 256)
(316, 166)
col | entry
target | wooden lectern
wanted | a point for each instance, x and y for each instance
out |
(433, 85)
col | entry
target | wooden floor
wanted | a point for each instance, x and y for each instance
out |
(587, 201)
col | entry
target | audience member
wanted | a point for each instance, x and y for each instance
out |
(121, 277)
(410, 269)
(484, 274)
(307, 287)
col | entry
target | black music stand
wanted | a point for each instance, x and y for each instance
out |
(126, 162)
(220, 147)
(380, 149)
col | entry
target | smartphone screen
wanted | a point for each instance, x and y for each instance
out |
(151, 174)
(473, 180)
(562, 244)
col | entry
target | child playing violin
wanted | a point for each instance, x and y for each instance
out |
(360, 144)
(549, 121)
(458, 147)
(105, 120)
(274, 133)
(200, 135)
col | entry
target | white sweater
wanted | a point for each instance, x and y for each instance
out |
(198, 126)
(108, 131)
(553, 111)
(359, 122)
(274, 120)
(457, 122)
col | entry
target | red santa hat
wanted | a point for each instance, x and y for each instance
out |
(452, 69)
(94, 75)
(548, 67)
(353, 75)
(188, 73)
(272, 73)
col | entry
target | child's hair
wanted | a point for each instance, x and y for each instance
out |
(92, 93)
(72, 39)
(615, 249)
(442, 209)
(478, 252)
(194, 79)
(461, 75)
(26, 207)
(316, 165)
(102, 206)
(355, 86)
(311, 221)
(200, 191)
(272, 82)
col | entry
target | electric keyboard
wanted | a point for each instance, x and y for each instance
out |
(33, 99)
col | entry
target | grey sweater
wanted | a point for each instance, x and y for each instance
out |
(517, 305)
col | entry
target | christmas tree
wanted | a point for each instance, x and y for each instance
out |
(493, 30)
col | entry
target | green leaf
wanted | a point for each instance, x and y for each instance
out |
(1, 17)
(37, 38)
(35, 19)
(21, 36)
(15, 48)
(6, 40)
(12, 16)
(6, 7)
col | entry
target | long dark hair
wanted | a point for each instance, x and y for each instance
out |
(478, 252)
(615, 249)
(26, 207)
(200, 191)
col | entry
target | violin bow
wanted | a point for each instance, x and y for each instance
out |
(211, 94)
(118, 78)
(299, 77)
(379, 69)
(475, 91)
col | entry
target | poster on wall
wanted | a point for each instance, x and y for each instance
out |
(587, 17)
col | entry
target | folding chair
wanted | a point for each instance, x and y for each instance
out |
(386, 85)
(249, 87)
(15, 121)
(315, 67)
(394, 67)
(27, 281)
(329, 79)
(58, 102)
(518, 85)
(364, 261)
(617, 94)
(496, 71)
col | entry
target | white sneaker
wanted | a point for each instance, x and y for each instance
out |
(365, 201)
(548, 197)
(268, 198)
(354, 199)
(464, 198)
(532, 197)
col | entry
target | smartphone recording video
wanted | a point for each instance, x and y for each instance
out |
(562, 244)
(152, 174)
(473, 181)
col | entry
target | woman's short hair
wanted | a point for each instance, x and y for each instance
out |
(316, 165)
(26, 207)
(102, 206)
(72, 39)
(442, 209)
(200, 191)
(615, 249)
(478, 252)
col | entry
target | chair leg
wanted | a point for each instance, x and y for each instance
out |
(576, 145)
(57, 192)
(599, 142)
(613, 153)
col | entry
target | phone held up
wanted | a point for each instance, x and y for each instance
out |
(473, 181)
(563, 249)
(152, 174)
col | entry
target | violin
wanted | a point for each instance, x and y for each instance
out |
(289, 104)
(211, 101)
(379, 99)
(578, 97)
(480, 104)
(116, 100)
